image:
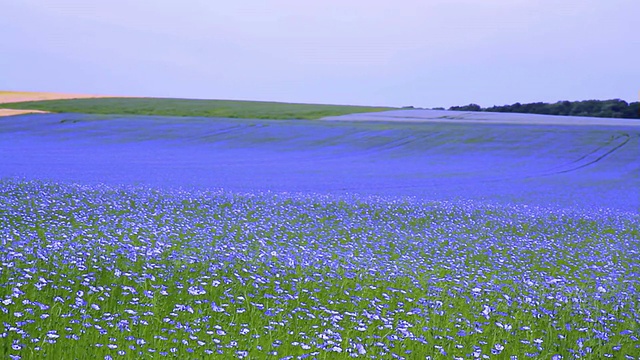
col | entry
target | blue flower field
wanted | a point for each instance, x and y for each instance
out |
(324, 241)
(125, 272)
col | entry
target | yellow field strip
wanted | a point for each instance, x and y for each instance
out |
(20, 96)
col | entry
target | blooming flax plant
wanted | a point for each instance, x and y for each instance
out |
(128, 273)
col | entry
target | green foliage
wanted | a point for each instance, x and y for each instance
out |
(192, 107)
(615, 108)
(470, 107)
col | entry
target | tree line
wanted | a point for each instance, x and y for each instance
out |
(615, 108)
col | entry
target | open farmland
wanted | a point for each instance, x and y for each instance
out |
(149, 237)
(529, 164)
(191, 107)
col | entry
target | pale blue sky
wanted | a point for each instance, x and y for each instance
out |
(423, 53)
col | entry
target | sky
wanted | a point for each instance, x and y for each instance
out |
(426, 53)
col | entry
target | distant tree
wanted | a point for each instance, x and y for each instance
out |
(633, 110)
(470, 107)
(560, 108)
(615, 108)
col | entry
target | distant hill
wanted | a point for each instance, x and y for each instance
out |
(615, 108)
(190, 107)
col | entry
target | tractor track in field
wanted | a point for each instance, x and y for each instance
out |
(590, 158)
(215, 134)
(599, 148)
(370, 153)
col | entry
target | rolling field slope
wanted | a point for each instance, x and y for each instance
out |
(562, 165)
(191, 107)
(475, 117)
(330, 239)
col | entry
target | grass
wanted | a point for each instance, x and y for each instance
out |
(127, 273)
(190, 107)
